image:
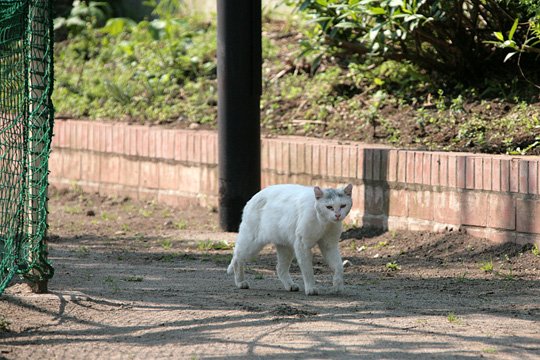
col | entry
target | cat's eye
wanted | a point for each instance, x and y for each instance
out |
(330, 207)
(342, 206)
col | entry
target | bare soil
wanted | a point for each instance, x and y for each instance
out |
(141, 280)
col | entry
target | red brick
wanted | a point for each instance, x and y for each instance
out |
(514, 175)
(168, 176)
(469, 172)
(443, 170)
(409, 172)
(90, 166)
(435, 169)
(452, 171)
(478, 173)
(477, 232)
(129, 172)
(82, 135)
(71, 165)
(377, 164)
(72, 134)
(375, 202)
(523, 177)
(392, 168)
(496, 174)
(108, 137)
(309, 159)
(167, 145)
(313, 165)
(60, 138)
(533, 177)
(500, 236)
(447, 207)
(368, 164)
(523, 239)
(360, 174)
(301, 158)
(487, 174)
(426, 169)
(323, 160)
(149, 177)
(264, 155)
(384, 165)
(118, 139)
(338, 161)
(474, 208)
(461, 171)
(133, 145)
(285, 165)
(330, 162)
(109, 169)
(180, 146)
(501, 211)
(528, 215)
(418, 167)
(153, 143)
(55, 164)
(397, 203)
(402, 166)
(197, 146)
(214, 149)
(505, 175)
(420, 205)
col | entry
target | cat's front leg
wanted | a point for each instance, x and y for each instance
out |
(305, 262)
(330, 252)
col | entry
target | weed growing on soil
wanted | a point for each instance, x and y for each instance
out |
(4, 325)
(207, 245)
(181, 224)
(134, 278)
(489, 351)
(453, 318)
(83, 250)
(166, 244)
(393, 266)
(487, 266)
(535, 250)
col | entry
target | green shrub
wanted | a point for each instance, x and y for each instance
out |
(450, 37)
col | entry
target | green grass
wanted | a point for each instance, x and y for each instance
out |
(4, 324)
(166, 244)
(453, 318)
(487, 266)
(393, 266)
(535, 250)
(207, 245)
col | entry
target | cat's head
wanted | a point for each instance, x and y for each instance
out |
(333, 205)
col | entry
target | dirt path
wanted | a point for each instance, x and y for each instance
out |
(143, 281)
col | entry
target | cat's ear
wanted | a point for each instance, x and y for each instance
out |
(348, 190)
(318, 192)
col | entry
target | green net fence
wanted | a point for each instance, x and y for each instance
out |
(26, 118)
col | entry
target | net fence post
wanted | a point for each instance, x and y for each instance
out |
(38, 139)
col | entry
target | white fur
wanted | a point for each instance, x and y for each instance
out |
(294, 218)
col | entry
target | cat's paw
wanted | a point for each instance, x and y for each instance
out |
(243, 285)
(312, 291)
(293, 287)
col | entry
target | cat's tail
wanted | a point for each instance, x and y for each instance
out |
(230, 269)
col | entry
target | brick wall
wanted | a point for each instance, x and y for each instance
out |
(497, 197)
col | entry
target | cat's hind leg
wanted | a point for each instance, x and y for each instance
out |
(285, 256)
(244, 250)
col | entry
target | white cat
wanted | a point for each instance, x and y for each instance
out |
(294, 218)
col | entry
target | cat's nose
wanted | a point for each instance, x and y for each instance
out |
(338, 216)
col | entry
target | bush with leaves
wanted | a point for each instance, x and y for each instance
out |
(159, 71)
(458, 37)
